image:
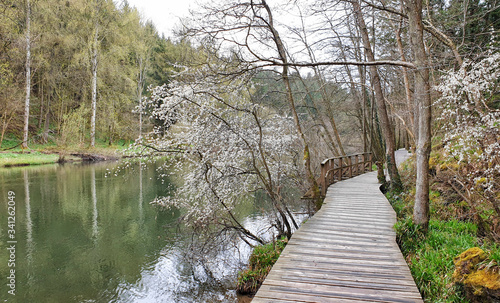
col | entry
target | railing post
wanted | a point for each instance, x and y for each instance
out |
(341, 168)
(356, 165)
(331, 176)
(322, 178)
(361, 165)
(349, 162)
(370, 161)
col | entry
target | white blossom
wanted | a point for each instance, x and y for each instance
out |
(471, 126)
(225, 147)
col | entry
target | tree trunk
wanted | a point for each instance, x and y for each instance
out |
(140, 87)
(28, 75)
(94, 81)
(423, 99)
(395, 183)
(41, 95)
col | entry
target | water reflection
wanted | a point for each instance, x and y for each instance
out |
(29, 232)
(85, 237)
(95, 230)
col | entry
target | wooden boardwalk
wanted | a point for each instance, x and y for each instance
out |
(347, 252)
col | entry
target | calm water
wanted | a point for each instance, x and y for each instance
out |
(84, 237)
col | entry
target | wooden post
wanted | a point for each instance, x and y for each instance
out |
(322, 179)
(370, 161)
(341, 168)
(331, 178)
(349, 163)
(356, 165)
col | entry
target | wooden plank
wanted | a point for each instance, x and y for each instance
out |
(332, 232)
(343, 254)
(343, 249)
(353, 242)
(307, 295)
(346, 253)
(354, 227)
(338, 287)
(346, 275)
(313, 266)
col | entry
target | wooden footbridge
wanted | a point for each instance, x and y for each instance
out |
(347, 251)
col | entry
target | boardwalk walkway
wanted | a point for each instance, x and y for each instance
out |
(347, 252)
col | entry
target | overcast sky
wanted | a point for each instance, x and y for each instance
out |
(164, 13)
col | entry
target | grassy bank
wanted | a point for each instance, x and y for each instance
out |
(430, 256)
(34, 158)
(12, 155)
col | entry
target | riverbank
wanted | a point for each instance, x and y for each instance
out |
(50, 154)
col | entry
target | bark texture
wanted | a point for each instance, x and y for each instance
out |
(423, 100)
(94, 83)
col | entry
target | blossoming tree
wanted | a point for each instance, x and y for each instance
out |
(225, 147)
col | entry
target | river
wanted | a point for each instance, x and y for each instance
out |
(84, 234)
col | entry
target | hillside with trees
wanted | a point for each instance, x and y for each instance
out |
(90, 63)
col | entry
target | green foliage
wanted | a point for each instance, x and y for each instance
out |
(63, 34)
(400, 203)
(261, 261)
(475, 22)
(74, 128)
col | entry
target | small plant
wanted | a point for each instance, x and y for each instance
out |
(261, 261)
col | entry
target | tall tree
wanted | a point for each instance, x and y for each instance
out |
(94, 62)
(422, 95)
(28, 75)
(387, 130)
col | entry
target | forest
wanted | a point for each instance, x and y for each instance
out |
(253, 96)
(69, 41)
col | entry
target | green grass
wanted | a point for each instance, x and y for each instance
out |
(34, 158)
(12, 154)
(430, 256)
(261, 261)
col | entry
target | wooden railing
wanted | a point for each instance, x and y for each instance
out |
(341, 168)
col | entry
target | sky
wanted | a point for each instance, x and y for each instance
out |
(164, 13)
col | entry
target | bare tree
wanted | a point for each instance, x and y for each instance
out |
(28, 75)
(232, 147)
(94, 62)
(387, 131)
(141, 77)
